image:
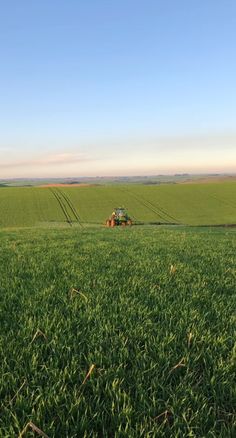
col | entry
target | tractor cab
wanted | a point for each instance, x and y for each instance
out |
(120, 212)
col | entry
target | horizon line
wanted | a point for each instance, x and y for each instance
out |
(123, 176)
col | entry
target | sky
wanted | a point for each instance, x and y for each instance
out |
(117, 87)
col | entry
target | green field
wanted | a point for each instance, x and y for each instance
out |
(153, 308)
(189, 204)
(125, 332)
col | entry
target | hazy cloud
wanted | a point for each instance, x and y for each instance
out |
(127, 156)
(49, 160)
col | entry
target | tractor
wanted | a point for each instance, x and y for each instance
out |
(119, 217)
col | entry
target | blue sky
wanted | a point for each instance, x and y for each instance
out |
(117, 87)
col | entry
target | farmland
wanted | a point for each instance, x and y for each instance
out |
(116, 333)
(190, 204)
(125, 332)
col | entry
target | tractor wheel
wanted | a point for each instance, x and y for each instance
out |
(123, 224)
(108, 223)
(113, 223)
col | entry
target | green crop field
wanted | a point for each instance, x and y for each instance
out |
(189, 204)
(125, 332)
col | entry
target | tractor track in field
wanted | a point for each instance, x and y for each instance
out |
(62, 206)
(158, 211)
(69, 208)
(70, 205)
(158, 208)
(226, 202)
(223, 201)
(143, 202)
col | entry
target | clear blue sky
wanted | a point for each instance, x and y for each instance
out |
(119, 87)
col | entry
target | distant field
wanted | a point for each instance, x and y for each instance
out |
(149, 311)
(210, 179)
(192, 204)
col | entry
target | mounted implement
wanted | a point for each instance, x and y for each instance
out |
(119, 217)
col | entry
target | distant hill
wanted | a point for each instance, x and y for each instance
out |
(147, 180)
(210, 179)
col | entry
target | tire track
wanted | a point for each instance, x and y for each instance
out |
(163, 211)
(62, 206)
(223, 201)
(141, 201)
(158, 211)
(71, 206)
(216, 197)
(66, 206)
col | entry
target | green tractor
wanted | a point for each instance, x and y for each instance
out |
(119, 217)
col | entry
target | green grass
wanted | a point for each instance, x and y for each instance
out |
(154, 313)
(190, 204)
(27, 206)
